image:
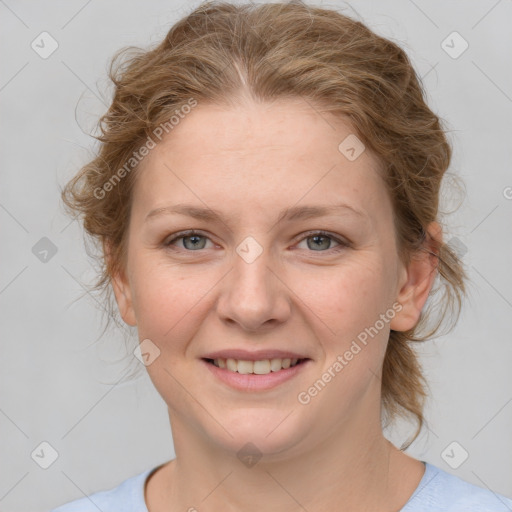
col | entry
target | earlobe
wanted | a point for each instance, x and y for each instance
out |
(417, 282)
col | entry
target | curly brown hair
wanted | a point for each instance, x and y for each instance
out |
(278, 51)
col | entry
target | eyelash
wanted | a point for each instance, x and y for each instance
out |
(192, 232)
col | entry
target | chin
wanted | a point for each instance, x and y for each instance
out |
(273, 433)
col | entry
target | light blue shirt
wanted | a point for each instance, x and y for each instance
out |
(438, 491)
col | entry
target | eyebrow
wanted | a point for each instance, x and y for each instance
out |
(291, 213)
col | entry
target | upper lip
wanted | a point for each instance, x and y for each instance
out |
(256, 355)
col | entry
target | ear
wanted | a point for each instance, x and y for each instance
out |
(417, 280)
(122, 290)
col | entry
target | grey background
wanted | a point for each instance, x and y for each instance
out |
(59, 385)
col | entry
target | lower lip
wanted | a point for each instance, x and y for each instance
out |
(253, 382)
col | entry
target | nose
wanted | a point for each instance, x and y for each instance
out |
(254, 296)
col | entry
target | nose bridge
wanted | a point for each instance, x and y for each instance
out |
(254, 295)
(252, 269)
(252, 266)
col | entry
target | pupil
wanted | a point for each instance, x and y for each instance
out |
(316, 237)
(196, 243)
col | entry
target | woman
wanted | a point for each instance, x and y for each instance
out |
(266, 197)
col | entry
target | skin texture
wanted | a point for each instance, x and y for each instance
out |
(250, 162)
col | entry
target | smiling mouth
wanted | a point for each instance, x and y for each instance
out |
(261, 367)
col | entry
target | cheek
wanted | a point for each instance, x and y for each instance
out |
(348, 303)
(168, 299)
(356, 306)
(341, 300)
(347, 298)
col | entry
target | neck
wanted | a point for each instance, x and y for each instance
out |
(334, 475)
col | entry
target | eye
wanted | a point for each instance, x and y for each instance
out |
(192, 240)
(320, 241)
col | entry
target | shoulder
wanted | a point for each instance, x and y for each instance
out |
(128, 496)
(439, 490)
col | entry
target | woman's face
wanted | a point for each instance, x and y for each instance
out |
(257, 281)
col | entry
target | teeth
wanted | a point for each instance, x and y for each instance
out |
(231, 364)
(245, 367)
(275, 365)
(262, 367)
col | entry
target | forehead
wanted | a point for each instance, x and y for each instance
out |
(263, 155)
(291, 128)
